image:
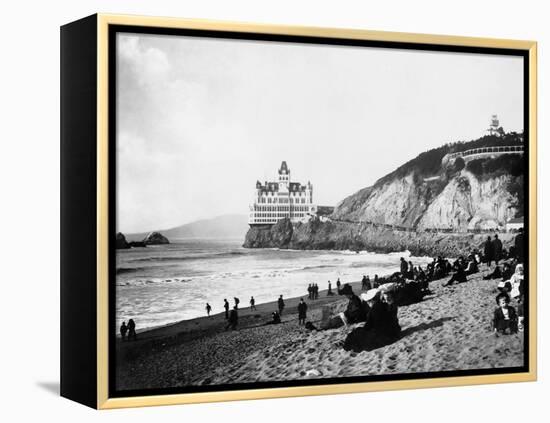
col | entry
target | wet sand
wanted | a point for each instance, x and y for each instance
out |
(449, 330)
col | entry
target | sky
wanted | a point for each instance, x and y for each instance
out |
(200, 120)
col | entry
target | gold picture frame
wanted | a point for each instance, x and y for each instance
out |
(100, 25)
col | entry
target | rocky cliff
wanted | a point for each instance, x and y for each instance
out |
(317, 235)
(428, 202)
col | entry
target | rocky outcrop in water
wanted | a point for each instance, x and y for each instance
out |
(120, 242)
(155, 238)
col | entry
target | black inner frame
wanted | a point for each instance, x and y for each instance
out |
(112, 78)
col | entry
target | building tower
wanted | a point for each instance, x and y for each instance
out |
(494, 126)
(284, 177)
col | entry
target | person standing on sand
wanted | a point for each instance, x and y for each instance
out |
(302, 312)
(497, 249)
(132, 330)
(329, 293)
(281, 304)
(226, 306)
(518, 244)
(375, 282)
(338, 283)
(309, 291)
(237, 301)
(123, 330)
(208, 309)
(252, 304)
(488, 251)
(233, 319)
(316, 291)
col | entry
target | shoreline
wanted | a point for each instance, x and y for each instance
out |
(447, 330)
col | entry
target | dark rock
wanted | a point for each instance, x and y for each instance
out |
(134, 244)
(121, 243)
(155, 238)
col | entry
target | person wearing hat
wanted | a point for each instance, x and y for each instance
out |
(354, 312)
(381, 326)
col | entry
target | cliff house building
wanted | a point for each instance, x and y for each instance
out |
(274, 201)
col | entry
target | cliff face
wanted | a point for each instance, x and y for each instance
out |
(460, 202)
(435, 199)
(469, 203)
(316, 235)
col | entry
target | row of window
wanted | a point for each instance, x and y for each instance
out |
(293, 193)
(280, 208)
(270, 200)
(277, 216)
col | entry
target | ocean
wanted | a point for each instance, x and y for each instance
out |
(163, 284)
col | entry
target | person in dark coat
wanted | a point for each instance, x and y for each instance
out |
(132, 330)
(302, 312)
(310, 291)
(281, 304)
(505, 320)
(497, 249)
(252, 304)
(488, 251)
(518, 244)
(459, 276)
(275, 319)
(507, 272)
(123, 331)
(208, 309)
(237, 301)
(375, 282)
(388, 298)
(233, 319)
(354, 312)
(329, 293)
(226, 307)
(404, 267)
(338, 284)
(495, 274)
(364, 283)
(381, 326)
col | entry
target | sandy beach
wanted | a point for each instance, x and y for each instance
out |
(449, 330)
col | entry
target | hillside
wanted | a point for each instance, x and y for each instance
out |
(226, 226)
(429, 192)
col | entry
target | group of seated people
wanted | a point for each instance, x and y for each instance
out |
(379, 305)
(377, 308)
(462, 268)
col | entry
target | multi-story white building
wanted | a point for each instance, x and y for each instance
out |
(274, 201)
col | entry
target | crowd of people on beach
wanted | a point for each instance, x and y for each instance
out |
(377, 305)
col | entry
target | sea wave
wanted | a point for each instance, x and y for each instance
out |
(183, 257)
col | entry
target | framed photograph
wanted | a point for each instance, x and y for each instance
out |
(256, 211)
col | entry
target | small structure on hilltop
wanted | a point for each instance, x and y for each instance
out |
(494, 127)
(514, 225)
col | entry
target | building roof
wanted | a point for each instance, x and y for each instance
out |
(284, 170)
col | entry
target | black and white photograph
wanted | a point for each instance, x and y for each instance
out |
(291, 212)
